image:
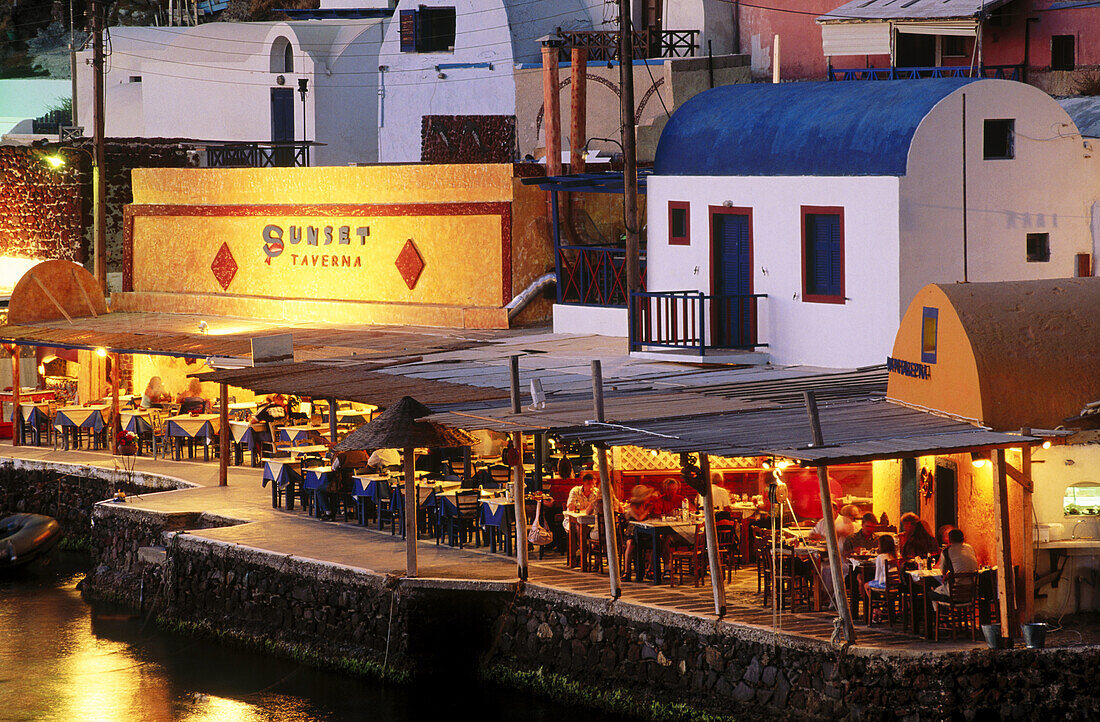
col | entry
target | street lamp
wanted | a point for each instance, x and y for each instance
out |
(303, 88)
(57, 161)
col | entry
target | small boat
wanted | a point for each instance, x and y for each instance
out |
(25, 538)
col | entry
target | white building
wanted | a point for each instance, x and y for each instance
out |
(838, 201)
(371, 73)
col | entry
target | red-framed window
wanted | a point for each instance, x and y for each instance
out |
(823, 254)
(679, 223)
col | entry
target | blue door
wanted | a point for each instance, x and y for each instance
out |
(282, 125)
(731, 266)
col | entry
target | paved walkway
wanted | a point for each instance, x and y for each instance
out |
(298, 534)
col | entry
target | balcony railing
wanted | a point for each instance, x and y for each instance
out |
(996, 72)
(693, 320)
(258, 155)
(604, 44)
(593, 276)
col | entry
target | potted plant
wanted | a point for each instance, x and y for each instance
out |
(127, 443)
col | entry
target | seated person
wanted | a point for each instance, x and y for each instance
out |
(585, 497)
(383, 458)
(864, 540)
(719, 499)
(843, 525)
(671, 500)
(887, 555)
(638, 508)
(191, 401)
(155, 396)
(271, 411)
(916, 540)
(958, 558)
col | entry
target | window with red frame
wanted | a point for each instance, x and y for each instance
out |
(822, 254)
(679, 223)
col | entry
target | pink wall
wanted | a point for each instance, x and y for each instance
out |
(800, 45)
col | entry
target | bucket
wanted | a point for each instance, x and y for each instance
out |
(1035, 635)
(992, 634)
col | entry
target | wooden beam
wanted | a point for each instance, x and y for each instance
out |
(332, 419)
(1027, 569)
(1005, 585)
(412, 503)
(50, 296)
(717, 583)
(518, 494)
(609, 534)
(1023, 478)
(224, 434)
(84, 293)
(578, 109)
(114, 426)
(16, 421)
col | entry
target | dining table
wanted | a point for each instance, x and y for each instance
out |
(580, 525)
(283, 474)
(72, 419)
(298, 434)
(245, 436)
(314, 479)
(36, 416)
(654, 532)
(191, 428)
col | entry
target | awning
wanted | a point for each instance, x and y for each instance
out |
(912, 10)
(606, 182)
(855, 39)
(853, 432)
(958, 28)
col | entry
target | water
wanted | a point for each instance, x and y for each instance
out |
(63, 660)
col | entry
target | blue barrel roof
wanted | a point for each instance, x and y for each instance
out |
(817, 128)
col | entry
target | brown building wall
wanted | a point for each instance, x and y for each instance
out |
(43, 208)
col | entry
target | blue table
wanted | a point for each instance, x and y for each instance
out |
(283, 475)
(193, 428)
(654, 530)
(496, 520)
(314, 480)
(72, 419)
(375, 488)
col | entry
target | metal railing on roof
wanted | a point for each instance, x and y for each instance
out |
(995, 72)
(693, 320)
(604, 44)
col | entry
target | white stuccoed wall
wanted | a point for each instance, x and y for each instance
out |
(857, 333)
(1050, 187)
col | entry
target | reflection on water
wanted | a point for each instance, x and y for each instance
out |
(62, 660)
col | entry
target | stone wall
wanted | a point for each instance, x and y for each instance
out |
(43, 214)
(68, 492)
(384, 622)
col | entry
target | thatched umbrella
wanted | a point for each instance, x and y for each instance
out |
(398, 427)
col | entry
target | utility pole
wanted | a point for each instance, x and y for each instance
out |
(630, 151)
(99, 155)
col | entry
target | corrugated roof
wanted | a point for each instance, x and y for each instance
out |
(912, 10)
(1085, 113)
(853, 431)
(813, 128)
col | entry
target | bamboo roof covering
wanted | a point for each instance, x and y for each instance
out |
(347, 381)
(401, 426)
(180, 335)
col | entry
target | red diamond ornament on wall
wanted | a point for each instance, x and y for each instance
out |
(409, 264)
(224, 266)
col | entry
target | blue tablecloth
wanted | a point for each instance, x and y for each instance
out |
(280, 472)
(93, 421)
(139, 425)
(34, 416)
(316, 477)
(206, 429)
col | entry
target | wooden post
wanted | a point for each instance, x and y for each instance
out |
(578, 111)
(716, 581)
(412, 503)
(630, 150)
(540, 440)
(605, 487)
(332, 420)
(114, 426)
(840, 596)
(16, 421)
(1006, 588)
(551, 104)
(517, 467)
(224, 434)
(1027, 569)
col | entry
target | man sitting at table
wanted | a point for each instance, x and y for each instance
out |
(843, 525)
(719, 498)
(273, 410)
(585, 497)
(671, 500)
(863, 541)
(382, 458)
(959, 557)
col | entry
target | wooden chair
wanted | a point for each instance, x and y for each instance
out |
(729, 549)
(961, 610)
(693, 558)
(595, 550)
(463, 521)
(888, 600)
(762, 547)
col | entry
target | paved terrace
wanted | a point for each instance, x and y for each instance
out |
(299, 535)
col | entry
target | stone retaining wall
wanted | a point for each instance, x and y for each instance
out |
(68, 492)
(418, 625)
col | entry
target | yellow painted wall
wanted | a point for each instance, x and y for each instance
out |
(463, 246)
(953, 386)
